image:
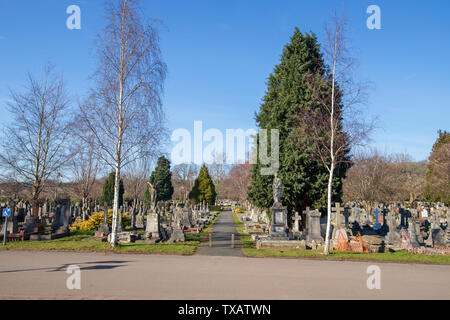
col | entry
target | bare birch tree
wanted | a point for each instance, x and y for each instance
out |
(86, 166)
(34, 145)
(183, 177)
(333, 120)
(136, 178)
(125, 111)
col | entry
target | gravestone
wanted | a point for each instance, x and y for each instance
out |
(104, 227)
(177, 234)
(313, 226)
(412, 232)
(393, 237)
(254, 216)
(186, 218)
(437, 235)
(376, 225)
(29, 224)
(355, 215)
(56, 217)
(338, 210)
(347, 214)
(152, 230)
(278, 228)
(296, 218)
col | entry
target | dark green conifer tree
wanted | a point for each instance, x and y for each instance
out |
(203, 189)
(304, 177)
(108, 191)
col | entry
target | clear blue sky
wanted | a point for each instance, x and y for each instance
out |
(220, 53)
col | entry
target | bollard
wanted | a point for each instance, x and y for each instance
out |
(210, 239)
(232, 240)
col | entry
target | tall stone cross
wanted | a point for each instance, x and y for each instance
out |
(376, 225)
(338, 209)
(296, 218)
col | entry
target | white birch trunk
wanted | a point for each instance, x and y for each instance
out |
(332, 156)
(115, 217)
(327, 237)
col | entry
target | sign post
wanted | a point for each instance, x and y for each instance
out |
(6, 214)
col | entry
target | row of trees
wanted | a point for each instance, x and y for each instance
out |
(375, 177)
(203, 188)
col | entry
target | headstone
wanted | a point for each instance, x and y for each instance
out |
(393, 237)
(296, 218)
(104, 227)
(313, 226)
(342, 241)
(177, 234)
(152, 230)
(338, 210)
(412, 232)
(29, 224)
(357, 244)
(377, 224)
(254, 216)
(355, 215)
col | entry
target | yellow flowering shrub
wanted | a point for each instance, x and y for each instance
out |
(239, 210)
(96, 219)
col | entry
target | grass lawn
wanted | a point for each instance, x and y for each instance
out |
(82, 241)
(249, 250)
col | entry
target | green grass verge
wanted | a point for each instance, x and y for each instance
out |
(249, 250)
(82, 241)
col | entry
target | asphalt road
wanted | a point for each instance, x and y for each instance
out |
(221, 238)
(42, 275)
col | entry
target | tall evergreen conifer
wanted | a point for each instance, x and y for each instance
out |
(204, 189)
(303, 176)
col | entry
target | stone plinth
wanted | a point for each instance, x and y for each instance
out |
(152, 228)
(314, 226)
(279, 228)
(286, 244)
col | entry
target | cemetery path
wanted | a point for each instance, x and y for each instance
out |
(43, 275)
(221, 238)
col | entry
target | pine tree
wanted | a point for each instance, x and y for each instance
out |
(162, 178)
(204, 189)
(303, 176)
(108, 191)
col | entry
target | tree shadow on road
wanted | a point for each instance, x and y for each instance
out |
(94, 265)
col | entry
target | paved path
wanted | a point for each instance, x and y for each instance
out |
(221, 238)
(116, 276)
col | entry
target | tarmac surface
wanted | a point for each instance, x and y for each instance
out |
(43, 275)
(221, 235)
(219, 272)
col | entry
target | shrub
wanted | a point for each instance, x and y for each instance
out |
(239, 210)
(96, 219)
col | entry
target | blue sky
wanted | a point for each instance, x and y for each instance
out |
(220, 53)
